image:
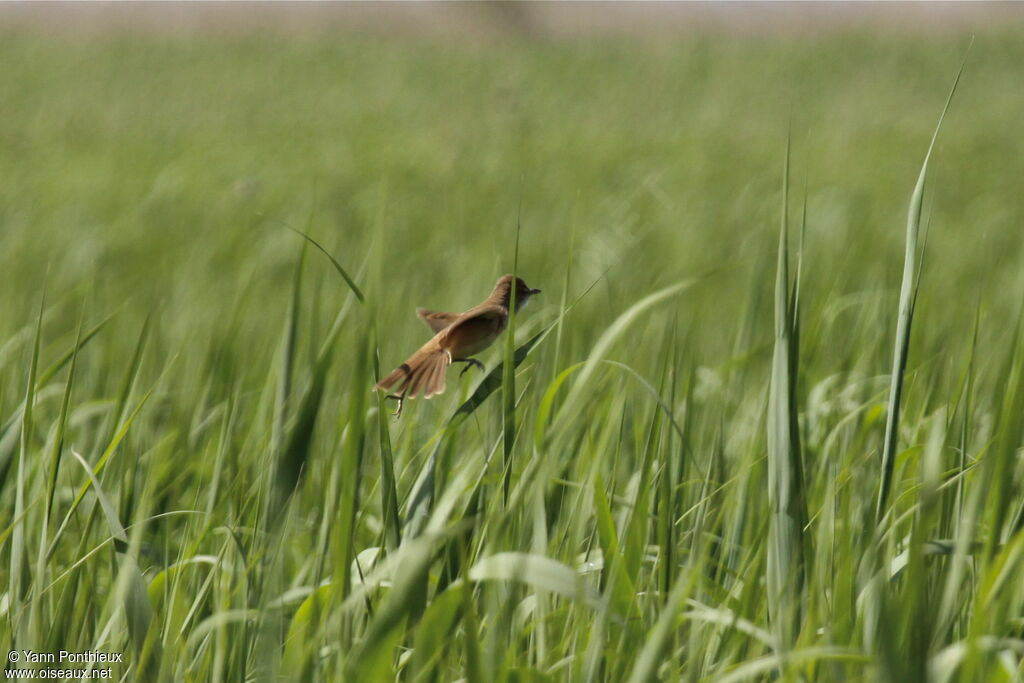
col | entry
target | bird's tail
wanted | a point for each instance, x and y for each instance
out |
(423, 374)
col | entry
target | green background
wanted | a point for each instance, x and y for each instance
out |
(153, 176)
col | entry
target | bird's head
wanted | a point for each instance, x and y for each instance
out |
(503, 291)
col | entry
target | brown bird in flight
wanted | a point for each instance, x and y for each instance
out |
(459, 336)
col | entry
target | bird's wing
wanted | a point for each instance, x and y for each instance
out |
(436, 320)
(473, 331)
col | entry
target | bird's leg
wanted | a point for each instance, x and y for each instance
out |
(401, 401)
(470, 362)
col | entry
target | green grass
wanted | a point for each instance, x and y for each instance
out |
(671, 474)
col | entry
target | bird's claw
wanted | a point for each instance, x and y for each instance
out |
(401, 402)
(471, 362)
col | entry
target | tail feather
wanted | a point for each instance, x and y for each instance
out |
(435, 382)
(423, 374)
(418, 377)
(403, 371)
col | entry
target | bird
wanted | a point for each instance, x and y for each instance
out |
(457, 338)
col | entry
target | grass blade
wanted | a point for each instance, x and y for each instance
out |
(508, 378)
(19, 567)
(905, 318)
(337, 266)
(785, 469)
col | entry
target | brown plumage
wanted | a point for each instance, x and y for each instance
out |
(436, 320)
(458, 336)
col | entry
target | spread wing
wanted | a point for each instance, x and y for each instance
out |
(436, 320)
(473, 331)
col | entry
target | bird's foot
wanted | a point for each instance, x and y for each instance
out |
(401, 402)
(471, 362)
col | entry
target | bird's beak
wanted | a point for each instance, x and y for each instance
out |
(534, 291)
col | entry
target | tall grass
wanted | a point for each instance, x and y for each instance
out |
(905, 317)
(694, 457)
(785, 570)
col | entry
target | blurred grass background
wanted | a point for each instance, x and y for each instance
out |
(163, 167)
(151, 175)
